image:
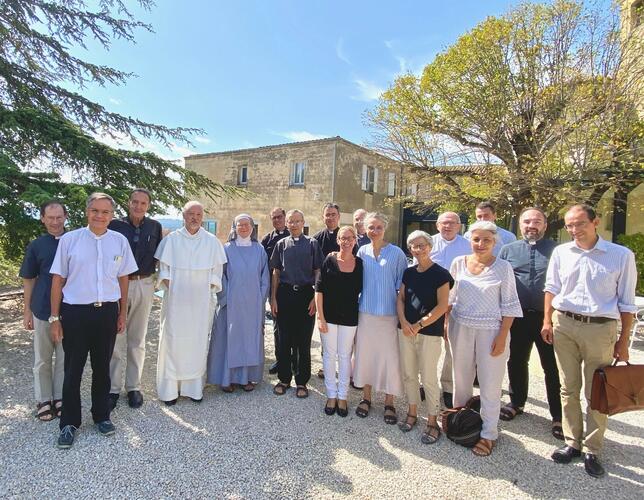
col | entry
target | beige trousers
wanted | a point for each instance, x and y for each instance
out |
(581, 348)
(129, 348)
(447, 382)
(48, 383)
(420, 353)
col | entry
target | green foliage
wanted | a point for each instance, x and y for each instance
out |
(48, 133)
(636, 243)
(537, 107)
(8, 270)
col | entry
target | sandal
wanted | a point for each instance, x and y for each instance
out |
(301, 392)
(484, 447)
(390, 419)
(280, 389)
(249, 387)
(58, 408)
(557, 431)
(44, 412)
(361, 411)
(342, 412)
(330, 410)
(228, 388)
(509, 411)
(406, 426)
(429, 437)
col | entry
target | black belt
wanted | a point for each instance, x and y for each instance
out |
(297, 288)
(586, 319)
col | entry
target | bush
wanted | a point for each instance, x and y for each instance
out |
(636, 243)
(9, 271)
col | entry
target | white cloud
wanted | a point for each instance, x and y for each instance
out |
(301, 135)
(389, 44)
(368, 91)
(202, 140)
(339, 51)
(115, 101)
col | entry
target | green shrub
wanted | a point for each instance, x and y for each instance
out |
(636, 243)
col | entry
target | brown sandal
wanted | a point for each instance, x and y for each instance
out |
(44, 412)
(484, 447)
(58, 407)
(280, 389)
(301, 391)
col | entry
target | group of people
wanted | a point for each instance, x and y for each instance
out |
(485, 297)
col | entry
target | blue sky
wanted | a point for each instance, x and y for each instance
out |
(255, 73)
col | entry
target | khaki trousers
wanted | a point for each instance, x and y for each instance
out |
(447, 382)
(48, 384)
(581, 348)
(129, 349)
(420, 353)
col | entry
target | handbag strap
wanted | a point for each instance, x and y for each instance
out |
(617, 360)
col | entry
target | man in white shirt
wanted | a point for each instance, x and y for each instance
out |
(448, 244)
(191, 262)
(486, 211)
(590, 284)
(88, 308)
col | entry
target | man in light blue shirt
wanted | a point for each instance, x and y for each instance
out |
(486, 211)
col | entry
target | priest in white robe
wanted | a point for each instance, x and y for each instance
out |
(190, 269)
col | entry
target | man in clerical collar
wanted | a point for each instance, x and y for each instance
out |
(37, 309)
(358, 224)
(529, 258)
(278, 219)
(144, 235)
(327, 238)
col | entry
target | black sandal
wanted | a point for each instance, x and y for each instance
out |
(390, 419)
(406, 426)
(509, 411)
(427, 437)
(280, 389)
(44, 412)
(301, 391)
(361, 412)
(557, 432)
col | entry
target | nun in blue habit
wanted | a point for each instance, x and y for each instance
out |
(236, 355)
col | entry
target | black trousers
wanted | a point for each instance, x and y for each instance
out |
(526, 332)
(87, 330)
(295, 332)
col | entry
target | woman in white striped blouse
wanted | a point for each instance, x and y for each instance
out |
(484, 303)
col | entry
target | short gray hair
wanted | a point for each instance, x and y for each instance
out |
(484, 225)
(100, 196)
(377, 216)
(444, 215)
(414, 235)
(294, 211)
(190, 204)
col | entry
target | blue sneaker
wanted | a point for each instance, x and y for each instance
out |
(66, 437)
(106, 427)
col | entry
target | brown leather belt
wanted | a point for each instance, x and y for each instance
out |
(586, 319)
(138, 276)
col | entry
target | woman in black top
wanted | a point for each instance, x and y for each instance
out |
(336, 299)
(422, 304)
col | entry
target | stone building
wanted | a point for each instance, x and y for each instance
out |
(303, 175)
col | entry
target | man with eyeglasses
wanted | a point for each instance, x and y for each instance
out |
(448, 244)
(88, 308)
(278, 219)
(144, 235)
(590, 285)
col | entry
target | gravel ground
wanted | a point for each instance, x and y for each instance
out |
(256, 445)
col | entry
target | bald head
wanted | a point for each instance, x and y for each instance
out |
(358, 220)
(448, 225)
(193, 216)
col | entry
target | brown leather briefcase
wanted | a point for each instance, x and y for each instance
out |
(617, 389)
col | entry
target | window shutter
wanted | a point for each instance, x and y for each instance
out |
(391, 185)
(375, 179)
(291, 175)
(364, 177)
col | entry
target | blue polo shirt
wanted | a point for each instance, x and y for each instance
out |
(36, 264)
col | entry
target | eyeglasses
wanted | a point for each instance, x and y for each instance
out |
(421, 246)
(579, 225)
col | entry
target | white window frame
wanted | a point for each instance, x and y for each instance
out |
(242, 175)
(298, 175)
(391, 183)
(411, 189)
(369, 179)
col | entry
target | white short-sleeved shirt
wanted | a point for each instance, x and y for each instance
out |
(444, 252)
(599, 282)
(92, 265)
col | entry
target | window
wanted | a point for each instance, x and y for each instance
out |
(210, 226)
(411, 189)
(242, 175)
(297, 174)
(391, 184)
(369, 179)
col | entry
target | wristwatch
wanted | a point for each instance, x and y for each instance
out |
(53, 319)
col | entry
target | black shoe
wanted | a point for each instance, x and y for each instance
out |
(321, 373)
(330, 410)
(273, 369)
(447, 399)
(106, 427)
(565, 454)
(592, 465)
(135, 399)
(342, 412)
(172, 402)
(66, 437)
(113, 399)
(196, 400)
(422, 393)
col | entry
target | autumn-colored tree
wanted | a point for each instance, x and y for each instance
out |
(537, 107)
